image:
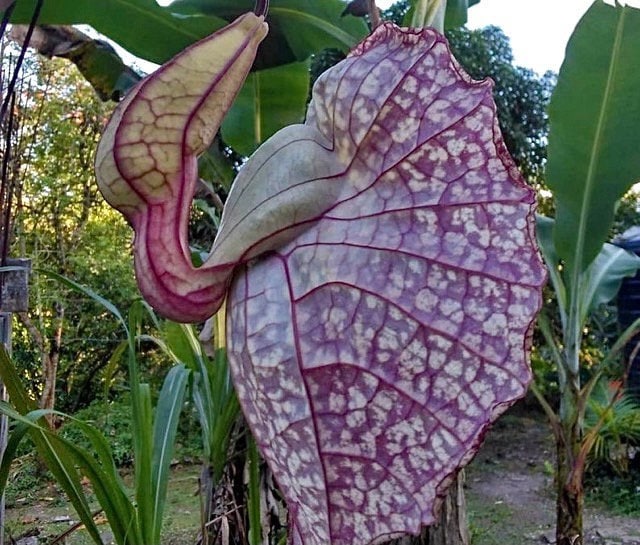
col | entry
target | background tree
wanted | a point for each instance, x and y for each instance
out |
(62, 224)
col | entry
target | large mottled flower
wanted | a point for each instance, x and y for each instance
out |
(381, 274)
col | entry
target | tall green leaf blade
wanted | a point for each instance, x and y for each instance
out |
(61, 467)
(456, 14)
(167, 415)
(143, 444)
(105, 482)
(140, 26)
(11, 449)
(297, 28)
(544, 235)
(108, 305)
(593, 141)
(269, 100)
(604, 276)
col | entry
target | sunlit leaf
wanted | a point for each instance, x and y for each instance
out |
(142, 27)
(593, 153)
(270, 99)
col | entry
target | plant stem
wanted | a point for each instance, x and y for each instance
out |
(429, 13)
(253, 500)
(374, 14)
(261, 8)
(548, 410)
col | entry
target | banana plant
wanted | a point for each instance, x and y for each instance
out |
(378, 261)
(592, 161)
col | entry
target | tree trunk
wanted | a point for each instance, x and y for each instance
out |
(570, 466)
(452, 528)
(224, 509)
(50, 367)
(50, 355)
(570, 490)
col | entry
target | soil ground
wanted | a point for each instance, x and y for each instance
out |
(44, 515)
(509, 490)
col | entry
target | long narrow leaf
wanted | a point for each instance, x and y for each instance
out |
(261, 104)
(108, 305)
(544, 234)
(107, 485)
(143, 431)
(103, 474)
(60, 466)
(10, 450)
(167, 415)
(159, 33)
(603, 277)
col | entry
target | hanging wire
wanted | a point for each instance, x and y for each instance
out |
(261, 8)
(8, 132)
(23, 51)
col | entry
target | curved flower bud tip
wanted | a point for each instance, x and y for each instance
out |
(146, 163)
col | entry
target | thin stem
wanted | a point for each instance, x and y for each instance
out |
(5, 18)
(261, 8)
(374, 14)
(253, 501)
(548, 410)
(429, 13)
(545, 328)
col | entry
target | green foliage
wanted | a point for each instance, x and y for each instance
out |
(593, 157)
(54, 452)
(592, 161)
(618, 494)
(298, 28)
(615, 416)
(113, 420)
(62, 223)
(521, 96)
(211, 391)
(456, 15)
(25, 479)
(159, 32)
(269, 100)
(136, 522)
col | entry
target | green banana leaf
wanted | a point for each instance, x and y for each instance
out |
(142, 27)
(297, 28)
(593, 154)
(599, 283)
(269, 100)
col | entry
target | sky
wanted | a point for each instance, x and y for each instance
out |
(538, 29)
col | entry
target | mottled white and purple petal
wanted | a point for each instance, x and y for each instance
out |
(382, 265)
(374, 339)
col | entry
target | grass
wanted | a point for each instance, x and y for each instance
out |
(36, 512)
(619, 495)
